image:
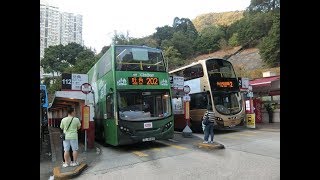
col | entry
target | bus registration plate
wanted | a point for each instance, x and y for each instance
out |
(149, 139)
(147, 125)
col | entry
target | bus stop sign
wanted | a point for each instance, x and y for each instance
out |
(186, 89)
(86, 88)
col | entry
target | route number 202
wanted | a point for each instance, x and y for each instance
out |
(152, 81)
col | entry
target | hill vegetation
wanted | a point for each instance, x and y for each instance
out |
(219, 19)
(256, 27)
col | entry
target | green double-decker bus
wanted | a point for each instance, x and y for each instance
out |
(132, 96)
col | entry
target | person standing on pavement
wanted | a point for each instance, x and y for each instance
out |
(207, 125)
(71, 137)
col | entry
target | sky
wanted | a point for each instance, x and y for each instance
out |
(139, 17)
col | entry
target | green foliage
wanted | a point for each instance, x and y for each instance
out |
(233, 41)
(120, 39)
(185, 26)
(104, 49)
(163, 33)
(183, 44)
(54, 59)
(172, 57)
(208, 40)
(53, 85)
(72, 58)
(264, 5)
(146, 41)
(270, 107)
(252, 28)
(63, 58)
(269, 48)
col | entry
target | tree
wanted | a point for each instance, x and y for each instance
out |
(183, 44)
(233, 41)
(172, 57)
(54, 59)
(208, 40)
(269, 48)
(71, 52)
(59, 58)
(163, 33)
(72, 58)
(185, 26)
(120, 39)
(264, 5)
(144, 41)
(84, 61)
(252, 28)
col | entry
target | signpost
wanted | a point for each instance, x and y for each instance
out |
(251, 116)
(177, 82)
(86, 89)
(187, 132)
(73, 82)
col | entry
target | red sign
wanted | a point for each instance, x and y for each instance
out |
(257, 105)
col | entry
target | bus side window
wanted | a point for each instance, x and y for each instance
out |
(109, 106)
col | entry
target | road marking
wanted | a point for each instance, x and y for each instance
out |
(172, 140)
(156, 149)
(245, 134)
(178, 147)
(140, 154)
(231, 137)
(255, 132)
(175, 146)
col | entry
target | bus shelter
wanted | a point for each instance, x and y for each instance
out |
(266, 90)
(78, 100)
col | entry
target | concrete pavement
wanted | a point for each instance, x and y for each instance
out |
(53, 166)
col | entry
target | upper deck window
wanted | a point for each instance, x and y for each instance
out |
(220, 68)
(131, 58)
(189, 73)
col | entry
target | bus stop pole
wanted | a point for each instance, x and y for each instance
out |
(85, 140)
(85, 131)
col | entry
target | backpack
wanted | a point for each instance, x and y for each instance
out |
(205, 120)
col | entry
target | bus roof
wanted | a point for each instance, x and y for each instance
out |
(193, 63)
(143, 46)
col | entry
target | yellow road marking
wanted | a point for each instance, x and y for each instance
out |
(178, 147)
(140, 154)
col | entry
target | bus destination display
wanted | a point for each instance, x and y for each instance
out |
(143, 81)
(225, 84)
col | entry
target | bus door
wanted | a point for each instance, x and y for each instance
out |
(110, 130)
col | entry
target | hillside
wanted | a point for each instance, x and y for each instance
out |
(224, 18)
(247, 63)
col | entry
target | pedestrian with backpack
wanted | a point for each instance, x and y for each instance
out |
(207, 125)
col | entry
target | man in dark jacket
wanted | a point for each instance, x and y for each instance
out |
(208, 128)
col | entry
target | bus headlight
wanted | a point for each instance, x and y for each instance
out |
(167, 126)
(218, 119)
(125, 130)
